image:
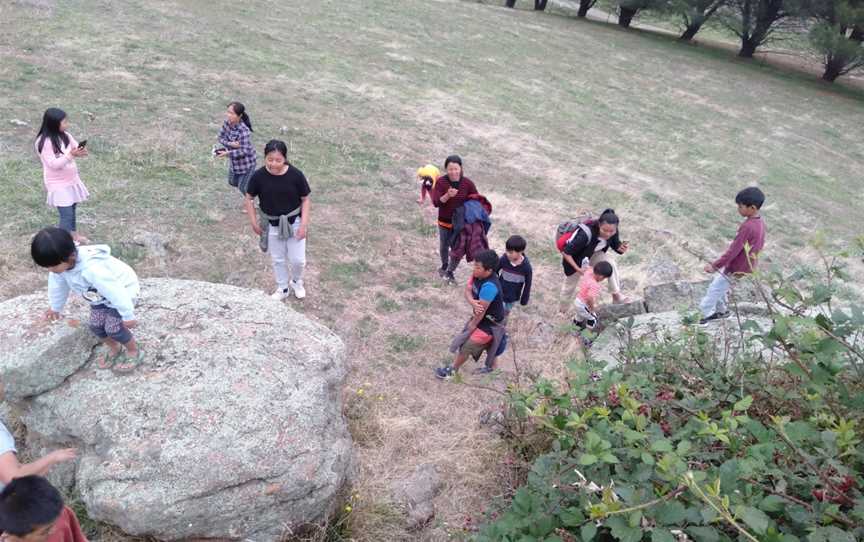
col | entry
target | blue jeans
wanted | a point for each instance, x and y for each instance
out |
(715, 298)
(67, 218)
(240, 180)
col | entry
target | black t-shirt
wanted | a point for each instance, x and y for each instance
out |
(278, 194)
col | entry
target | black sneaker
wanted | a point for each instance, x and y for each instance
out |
(577, 323)
(442, 272)
(715, 316)
(444, 373)
(483, 370)
(449, 278)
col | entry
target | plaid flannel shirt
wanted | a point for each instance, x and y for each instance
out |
(243, 158)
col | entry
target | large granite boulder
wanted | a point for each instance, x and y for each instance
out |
(232, 428)
(613, 346)
(683, 295)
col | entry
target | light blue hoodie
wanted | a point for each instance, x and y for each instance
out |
(97, 272)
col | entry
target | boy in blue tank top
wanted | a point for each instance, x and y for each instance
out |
(485, 330)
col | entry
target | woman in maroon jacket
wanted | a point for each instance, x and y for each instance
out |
(449, 194)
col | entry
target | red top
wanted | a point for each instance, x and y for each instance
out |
(752, 233)
(67, 528)
(446, 209)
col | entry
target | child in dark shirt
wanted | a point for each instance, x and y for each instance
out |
(515, 273)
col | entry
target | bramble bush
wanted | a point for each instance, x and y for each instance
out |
(689, 439)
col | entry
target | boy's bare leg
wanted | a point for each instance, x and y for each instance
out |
(459, 361)
(132, 347)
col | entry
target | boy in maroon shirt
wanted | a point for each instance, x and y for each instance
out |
(739, 259)
(32, 510)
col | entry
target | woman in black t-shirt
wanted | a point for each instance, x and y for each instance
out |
(283, 217)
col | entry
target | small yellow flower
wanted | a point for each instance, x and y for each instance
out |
(380, 397)
(348, 508)
(360, 391)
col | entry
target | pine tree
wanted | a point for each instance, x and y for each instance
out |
(695, 14)
(837, 36)
(755, 21)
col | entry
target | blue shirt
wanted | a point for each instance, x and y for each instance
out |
(488, 292)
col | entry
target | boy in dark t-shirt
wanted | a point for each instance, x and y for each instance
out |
(515, 273)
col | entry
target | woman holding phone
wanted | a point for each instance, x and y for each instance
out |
(58, 150)
(450, 192)
(236, 139)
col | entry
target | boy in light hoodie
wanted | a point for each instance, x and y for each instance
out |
(109, 285)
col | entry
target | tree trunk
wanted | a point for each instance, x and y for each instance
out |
(511, 3)
(833, 68)
(691, 31)
(625, 16)
(857, 34)
(584, 6)
(748, 47)
(540, 5)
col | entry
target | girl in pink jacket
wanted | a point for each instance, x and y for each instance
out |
(58, 150)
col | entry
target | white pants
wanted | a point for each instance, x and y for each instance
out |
(568, 292)
(288, 257)
(583, 313)
(715, 298)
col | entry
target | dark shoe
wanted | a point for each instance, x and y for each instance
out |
(444, 373)
(715, 316)
(442, 272)
(577, 323)
(449, 278)
(483, 370)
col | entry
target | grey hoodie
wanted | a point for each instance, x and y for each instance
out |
(110, 282)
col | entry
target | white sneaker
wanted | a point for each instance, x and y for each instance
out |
(299, 290)
(280, 294)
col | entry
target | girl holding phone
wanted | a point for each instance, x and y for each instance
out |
(236, 138)
(58, 150)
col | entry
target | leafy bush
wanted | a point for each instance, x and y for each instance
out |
(691, 440)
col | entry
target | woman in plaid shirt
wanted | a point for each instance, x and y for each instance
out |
(236, 138)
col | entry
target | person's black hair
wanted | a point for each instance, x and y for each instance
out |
(240, 109)
(516, 243)
(488, 259)
(608, 216)
(276, 145)
(455, 158)
(604, 269)
(52, 246)
(50, 129)
(28, 503)
(751, 197)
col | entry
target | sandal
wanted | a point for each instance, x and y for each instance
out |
(129, 364)
(106, 360)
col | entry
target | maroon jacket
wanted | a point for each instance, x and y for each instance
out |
(752, 232)
(445, 209)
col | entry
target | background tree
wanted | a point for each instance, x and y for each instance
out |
(540, 5)
(511, 3)
(627, 9)
(756, 21)
(584, 6)
(837, 36)
(695, 13)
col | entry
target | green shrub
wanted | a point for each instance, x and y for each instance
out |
(693, 440)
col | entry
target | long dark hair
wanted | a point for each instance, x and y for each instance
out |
(240, 109)
(51, 129)
(608, 216)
